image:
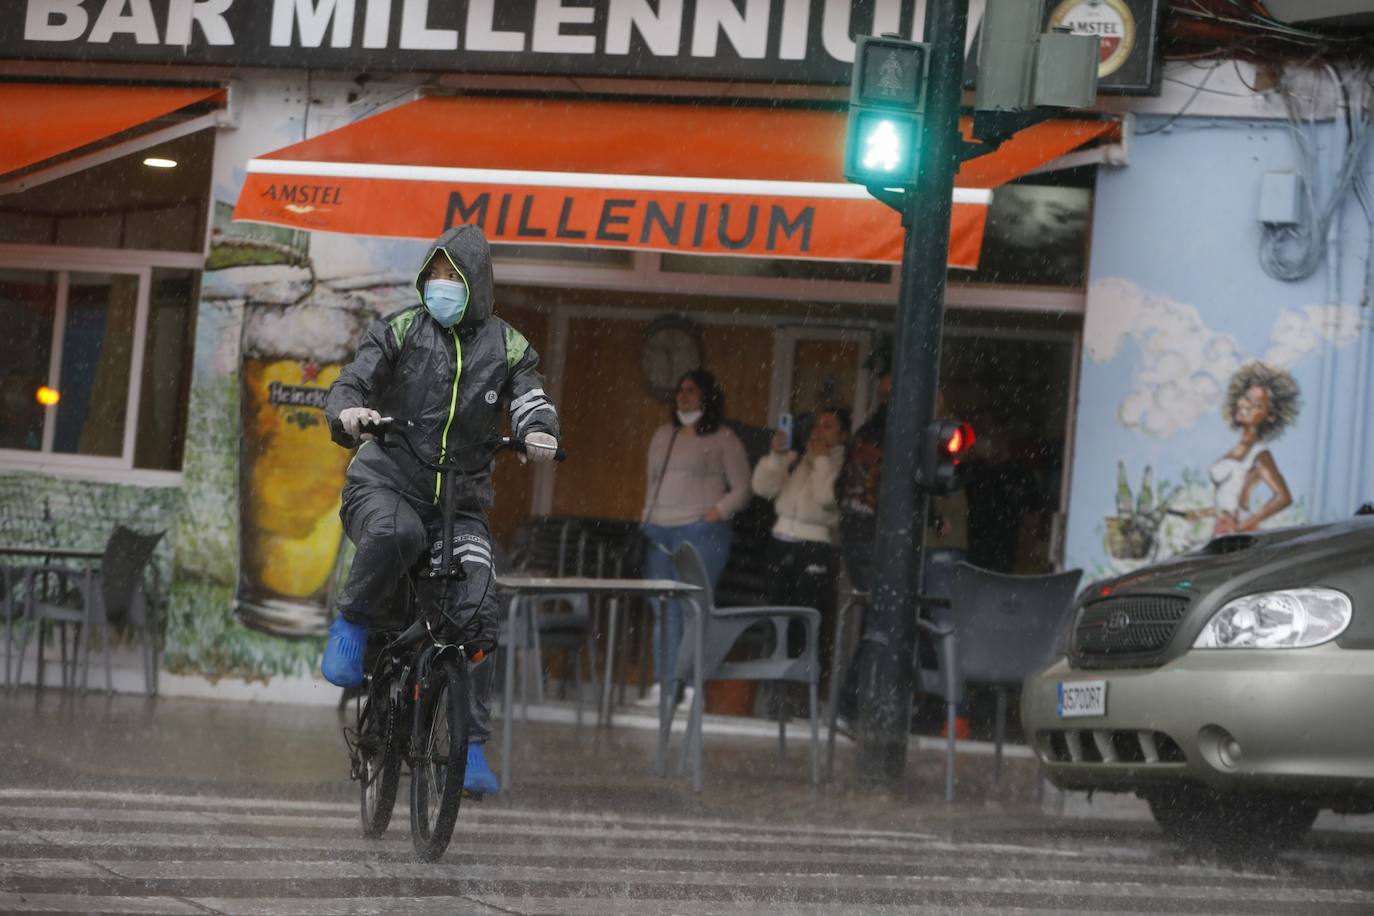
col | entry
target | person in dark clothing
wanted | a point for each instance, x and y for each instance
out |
(856, 494)
(448, 366)
(856, 491)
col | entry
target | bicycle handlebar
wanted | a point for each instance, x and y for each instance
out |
(389, 427)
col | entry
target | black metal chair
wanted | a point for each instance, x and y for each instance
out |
(11, 613)
(99, 596)
(1001, 630)
(560, 622)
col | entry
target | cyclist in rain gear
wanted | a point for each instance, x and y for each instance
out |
(449, 366)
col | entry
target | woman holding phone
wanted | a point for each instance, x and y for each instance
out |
(803, 561)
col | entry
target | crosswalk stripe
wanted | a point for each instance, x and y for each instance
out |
(15, 904)
(800, 878)
(631, 877)
(562, 906)
(68, 851)
(210, 845)
(12, 799)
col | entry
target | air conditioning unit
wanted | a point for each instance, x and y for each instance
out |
(1353, 13)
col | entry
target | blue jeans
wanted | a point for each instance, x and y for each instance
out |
(712, 541)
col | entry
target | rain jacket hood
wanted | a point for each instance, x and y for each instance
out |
(467, 250)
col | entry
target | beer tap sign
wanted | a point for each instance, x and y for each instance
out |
(290, 476)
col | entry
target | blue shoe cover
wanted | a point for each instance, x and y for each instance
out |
(479, 779)
(343, 653)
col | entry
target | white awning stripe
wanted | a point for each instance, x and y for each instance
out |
(841, 190)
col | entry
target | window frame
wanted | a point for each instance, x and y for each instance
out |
(65, 260)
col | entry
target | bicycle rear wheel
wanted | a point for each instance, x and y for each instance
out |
(378, 756)
(439, 743)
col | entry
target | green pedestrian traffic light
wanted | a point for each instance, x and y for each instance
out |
(886, 99)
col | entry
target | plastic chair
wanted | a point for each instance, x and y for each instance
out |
(11, 613)
(113, 593)
(561, 622)
(721, 629)
(1002, 629)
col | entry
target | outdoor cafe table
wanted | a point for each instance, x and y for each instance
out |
(516, 588)
(47, 555)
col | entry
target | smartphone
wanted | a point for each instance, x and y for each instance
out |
(785, 427)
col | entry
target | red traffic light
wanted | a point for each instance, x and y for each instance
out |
(960, 440)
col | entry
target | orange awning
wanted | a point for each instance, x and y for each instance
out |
(41, 120)
(695, 179)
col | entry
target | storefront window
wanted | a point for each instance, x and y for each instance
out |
(1037, 233)
(28, 301)
(166, 369)
(70, 376)
(93, 372)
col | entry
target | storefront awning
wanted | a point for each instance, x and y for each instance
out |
(695, 179)
(41, 121)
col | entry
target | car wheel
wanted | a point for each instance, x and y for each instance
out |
(1246, 824)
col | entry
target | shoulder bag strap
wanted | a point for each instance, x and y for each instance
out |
(663, 469)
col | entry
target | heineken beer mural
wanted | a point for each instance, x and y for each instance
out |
(290, 473)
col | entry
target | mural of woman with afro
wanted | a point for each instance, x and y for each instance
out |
(1261, 402)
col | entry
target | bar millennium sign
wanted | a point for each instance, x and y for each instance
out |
(793, 41)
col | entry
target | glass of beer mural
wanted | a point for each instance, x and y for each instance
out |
(290, 473)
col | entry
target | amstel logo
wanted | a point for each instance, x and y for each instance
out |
(1110, 20)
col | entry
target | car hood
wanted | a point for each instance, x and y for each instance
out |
(1270, 559)
(1171, 602)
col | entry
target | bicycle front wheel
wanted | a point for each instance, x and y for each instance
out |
(379, 756)
(439, 744)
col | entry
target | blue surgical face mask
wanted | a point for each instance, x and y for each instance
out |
(446, 300)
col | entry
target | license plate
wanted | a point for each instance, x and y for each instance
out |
(1081, 698)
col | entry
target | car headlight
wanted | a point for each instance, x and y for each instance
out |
(1290, 619)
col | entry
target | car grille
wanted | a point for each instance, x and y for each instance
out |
(1109, 746)
(1119, 630)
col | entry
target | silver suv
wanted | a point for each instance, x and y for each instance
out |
(1232, 689)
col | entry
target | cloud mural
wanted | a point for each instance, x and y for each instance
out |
(1185, 365)
(1299, 332)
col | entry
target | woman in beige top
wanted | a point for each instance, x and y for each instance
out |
(698, 477)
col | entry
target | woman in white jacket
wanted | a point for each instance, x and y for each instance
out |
(803, 561)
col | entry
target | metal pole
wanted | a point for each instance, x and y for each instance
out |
(886, 676)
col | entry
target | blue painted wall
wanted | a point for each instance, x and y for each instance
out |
(1178, 302)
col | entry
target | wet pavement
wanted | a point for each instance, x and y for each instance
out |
(191, 806)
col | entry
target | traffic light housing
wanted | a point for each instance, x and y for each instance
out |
(943, 449)
(886, 101)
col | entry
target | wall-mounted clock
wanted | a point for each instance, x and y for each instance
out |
(672, 346)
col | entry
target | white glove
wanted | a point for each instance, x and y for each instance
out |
(541, 446)
(353, 418)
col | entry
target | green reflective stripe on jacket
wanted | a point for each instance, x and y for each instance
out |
(516, 345)
(452, 410)
(400, 325)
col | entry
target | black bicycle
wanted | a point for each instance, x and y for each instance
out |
(413, 706)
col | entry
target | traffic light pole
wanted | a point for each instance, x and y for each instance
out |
(886, 674)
